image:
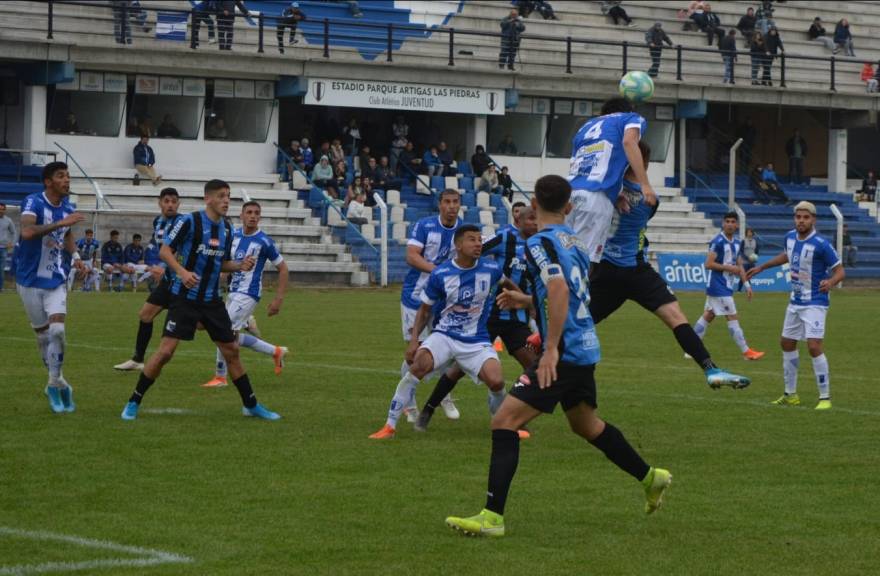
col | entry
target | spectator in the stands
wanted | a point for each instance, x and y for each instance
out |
(352, 135)
(773, 187)
(409, 163)
(542, 7)
(341, 176)
(290, 19)
(71, 126)
(654, 38)
(695, 13)
(728, 55)
(764, 18)
(817, 33)
(296, 154)
(124, 12)
(796, 148)
(760, 190)
(8, 237)
(354, 8)
(226, 21)
(364, 158)
(760, 55)
(370, 194)
(868, 77)
(216, 129)
(308, 155)
(507, 146)
(133, 260)
(489, 181)
(112, 260)
(446, 159)
(145, 161)
(746, 26)
(843, 38)
(506, 183)
(512, 28)
(480, 160)
(202, 12)
(386, 179)
(614, 9)
(850, 250)
(322, 175)
(145, 126)
(337, 154)
(869, 187)
(400, 131)
(356, 209)
(431, 162)
(354, 189)
(324, 149)
(750, 248)
(168, 129)
(711, 25)
(776, 49)
(369, 171)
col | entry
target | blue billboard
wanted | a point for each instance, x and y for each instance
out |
(688, 272)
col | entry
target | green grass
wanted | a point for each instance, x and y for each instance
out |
(757, 490)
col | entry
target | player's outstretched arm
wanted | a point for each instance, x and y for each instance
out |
(283, 276)
(777, 260)
(637, 164)
(30, 230)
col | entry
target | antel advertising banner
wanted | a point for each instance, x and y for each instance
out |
(688, 272)
(404, 96)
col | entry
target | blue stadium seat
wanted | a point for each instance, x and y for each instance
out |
(466, 183)
(438, 183)
(465, 168)
(468, 199)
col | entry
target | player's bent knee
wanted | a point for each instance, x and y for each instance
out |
(56, 331)
(815, 347)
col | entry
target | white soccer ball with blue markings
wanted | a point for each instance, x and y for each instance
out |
(636, 86)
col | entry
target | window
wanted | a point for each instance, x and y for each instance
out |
(515, 134)
(87, 113)
(238, 119)
(164, 116)
(563, 127)
(658, 137)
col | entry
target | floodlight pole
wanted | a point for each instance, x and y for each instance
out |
(731, 180)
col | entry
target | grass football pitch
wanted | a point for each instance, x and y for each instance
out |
(193, 488)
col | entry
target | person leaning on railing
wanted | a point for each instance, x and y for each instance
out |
(654, 38)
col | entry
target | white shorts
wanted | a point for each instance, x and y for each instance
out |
(590, 218)
(40, 303)
(408, 320)
(240, 307)
(802, 322)
(469, 357)
(721, 305)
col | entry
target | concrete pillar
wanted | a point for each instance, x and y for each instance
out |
(837, 138)
(475, 134)
(682, 152)
(35, 118)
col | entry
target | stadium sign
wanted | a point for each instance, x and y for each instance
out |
(688, 272)
(404, 96)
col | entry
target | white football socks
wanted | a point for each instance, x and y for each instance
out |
(404, 395)
(737, 334)
(820, 369)
(790, 364)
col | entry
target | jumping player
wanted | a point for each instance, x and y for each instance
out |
(815, 270)
(724, 263)
(41, 272)
(246, 288)
(203, 243)
(512, 326)
(625, 274)
(160, 297)
(558, 265)
(462, 289)
(601, 152)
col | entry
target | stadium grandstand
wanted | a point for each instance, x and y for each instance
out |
(83, 81)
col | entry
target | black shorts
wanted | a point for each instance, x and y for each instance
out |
(573, 385)
(514, 334)
(184, 316)
(611, 286)
(161, 295)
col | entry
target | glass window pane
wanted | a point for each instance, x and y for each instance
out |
(164, 116)
(238, 120)
(515, 134)
(658, 137)
(91, 113)
(562, 131)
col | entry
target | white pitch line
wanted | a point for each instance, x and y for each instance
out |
(617, 364)
(149, 556)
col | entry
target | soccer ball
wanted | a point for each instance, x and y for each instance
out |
(636, 86)
(753, 258)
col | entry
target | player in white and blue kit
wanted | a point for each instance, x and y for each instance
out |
(724, 263)
(815, 270)
(601, 152)
(462, 290)
(559, 266)
(246, 288)
(88, 248)
(430, 244)
(41, 274)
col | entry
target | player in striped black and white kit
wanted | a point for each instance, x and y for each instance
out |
(246, 288)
